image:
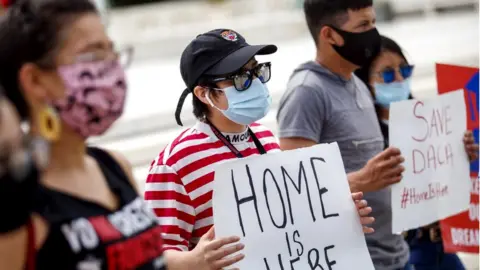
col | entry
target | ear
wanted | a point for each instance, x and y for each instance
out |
(331, 36)
(201, 93)
(30, 84)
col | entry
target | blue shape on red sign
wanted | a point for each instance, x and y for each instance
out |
(474, 164)
(473, 112)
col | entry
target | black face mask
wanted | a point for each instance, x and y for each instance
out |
(359, 48)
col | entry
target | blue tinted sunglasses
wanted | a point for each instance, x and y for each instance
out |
(388, 74)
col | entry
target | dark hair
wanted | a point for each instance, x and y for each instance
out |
(387, 45)
(30, 33)
(319, 13)
(200, 109)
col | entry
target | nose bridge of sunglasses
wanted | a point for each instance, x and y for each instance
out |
(399, 75)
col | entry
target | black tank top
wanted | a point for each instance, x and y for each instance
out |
(86, 236)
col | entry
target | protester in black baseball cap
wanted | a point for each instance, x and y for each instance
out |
(220, 55)
(229, 96)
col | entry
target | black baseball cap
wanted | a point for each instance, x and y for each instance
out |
(215, 53)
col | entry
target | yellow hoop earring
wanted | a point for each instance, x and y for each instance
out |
(49, 124)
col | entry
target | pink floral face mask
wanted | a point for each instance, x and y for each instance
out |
(95, 96)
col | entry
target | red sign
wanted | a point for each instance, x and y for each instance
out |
(460, 233)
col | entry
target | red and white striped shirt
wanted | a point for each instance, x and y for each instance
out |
(180, 182)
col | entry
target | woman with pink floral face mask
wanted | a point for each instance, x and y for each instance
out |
(60, 71)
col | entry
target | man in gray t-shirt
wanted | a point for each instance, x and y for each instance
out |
(325, 102)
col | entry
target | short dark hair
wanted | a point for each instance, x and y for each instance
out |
(30, 33)
(319, 13)
(200, 109)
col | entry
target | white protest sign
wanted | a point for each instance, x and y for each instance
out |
(293, 210)
(436, 182)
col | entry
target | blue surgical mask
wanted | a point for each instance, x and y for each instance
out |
(246, 107)
(387, 93)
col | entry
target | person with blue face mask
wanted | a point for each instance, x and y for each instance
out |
(230, 95)
(389, 77)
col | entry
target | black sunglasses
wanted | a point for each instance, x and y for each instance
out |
(388, 74)
(243, 79)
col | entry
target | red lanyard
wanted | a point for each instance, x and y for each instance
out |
(232, 148)
(31, 252)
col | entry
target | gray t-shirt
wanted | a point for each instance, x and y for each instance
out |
(323, 107)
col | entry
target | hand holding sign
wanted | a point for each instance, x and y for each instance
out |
(363, 211)
(470, 146)
(213, 254)
(293, 210)
(381, 171)
(437, 182)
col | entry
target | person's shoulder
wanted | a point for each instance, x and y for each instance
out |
(260, 130)
(266, 137)
(304, 79)
(182, 145)
(360, 84)
(304, 87)
(307, 76)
